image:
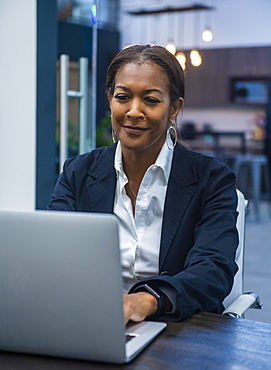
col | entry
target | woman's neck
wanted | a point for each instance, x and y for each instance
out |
(135, 164)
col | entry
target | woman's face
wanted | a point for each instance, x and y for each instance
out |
(141, 107)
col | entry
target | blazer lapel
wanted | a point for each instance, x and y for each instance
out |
(101, 183)
(179, 194)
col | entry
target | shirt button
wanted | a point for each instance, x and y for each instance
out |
(154, 168)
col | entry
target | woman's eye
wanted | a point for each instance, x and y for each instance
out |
(152, 100)
(121, 97)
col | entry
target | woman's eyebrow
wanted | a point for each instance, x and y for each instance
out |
(154, 90)
(147, 91)
(122, 87)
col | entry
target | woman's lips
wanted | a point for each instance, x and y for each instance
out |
(134, 130)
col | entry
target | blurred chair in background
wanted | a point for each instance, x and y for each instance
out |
(237, 302)
(253, 179)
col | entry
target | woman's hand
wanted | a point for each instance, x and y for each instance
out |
(137, 306)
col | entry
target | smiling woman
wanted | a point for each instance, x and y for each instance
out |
(142, 110)
(176, 208)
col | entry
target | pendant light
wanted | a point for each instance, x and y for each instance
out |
(171, 26)
(180, 56)
(171, 48)
(181, 59)
(207, 34)
(195, 56)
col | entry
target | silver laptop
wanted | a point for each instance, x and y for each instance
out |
(61, 288)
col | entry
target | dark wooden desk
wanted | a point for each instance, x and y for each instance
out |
(204, 341)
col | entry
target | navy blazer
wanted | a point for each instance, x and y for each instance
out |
(199, 236)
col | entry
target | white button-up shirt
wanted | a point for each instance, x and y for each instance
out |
(140, 233)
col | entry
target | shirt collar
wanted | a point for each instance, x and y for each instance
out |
(118, 161)
(163, 161)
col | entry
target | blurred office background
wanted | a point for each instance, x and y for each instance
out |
(227, 110)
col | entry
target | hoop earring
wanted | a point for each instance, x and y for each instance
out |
(114, 136)
(169, 138)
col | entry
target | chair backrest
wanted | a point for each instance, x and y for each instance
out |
(237, 288)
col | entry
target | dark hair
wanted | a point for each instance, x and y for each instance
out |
(156, 54)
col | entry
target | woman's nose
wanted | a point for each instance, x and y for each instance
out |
(135, 109)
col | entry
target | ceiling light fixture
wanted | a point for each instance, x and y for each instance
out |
(170, 10)
(207, 35)
(181, 59)
(171, 27)
(171, 48)
(195, 56)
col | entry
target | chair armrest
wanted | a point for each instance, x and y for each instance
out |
(242, 303)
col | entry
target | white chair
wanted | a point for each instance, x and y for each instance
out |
(237, 302)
